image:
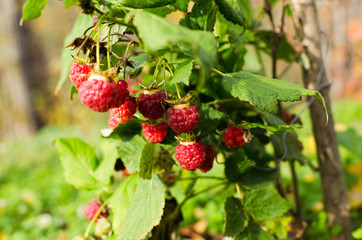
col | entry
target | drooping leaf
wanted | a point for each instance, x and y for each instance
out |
(122, 199)
(235, 219)
(231, 14)
(73, 90)
(146, 162)
(82, 23)
(79, 161)
(106, 166)
(265, 204)
(32, 9)
(69, 3)
(183, 72)
(202, 16)
(209, 120)
(145, 211)
(125, 130)
(236, 165)
(264, 93)
(130, 151)
(254, 232)
(159, 34)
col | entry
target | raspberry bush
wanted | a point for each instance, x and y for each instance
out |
(195, 116)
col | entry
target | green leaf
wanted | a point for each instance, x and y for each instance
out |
(265, 204)
(209, 120)
(159, 34)
(32, 9)
(183, 72)
(145, 211)
(257, 179)
(79, 161)
(82, 23)
(236, 165)
(106, 166)
(202, 16)
(264, 93)
(235, 219)
(230, 13)
(146, 162)
(254, 232)
(122, 199)
(69, 3)
(125, 130)
(73, 90)
(181, 5)
(130, 151)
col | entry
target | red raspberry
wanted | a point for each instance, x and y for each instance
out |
(150, 104)
(183, 118)
(123, 113)
(123, 93)
(92, 208)
(155, 133)
(190, 155)
(234, 136)
(79, 73)
(98, 93)
(208, 161)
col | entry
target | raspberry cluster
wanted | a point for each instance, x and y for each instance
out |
(101, 93)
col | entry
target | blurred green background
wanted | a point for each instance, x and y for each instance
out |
(35, 200)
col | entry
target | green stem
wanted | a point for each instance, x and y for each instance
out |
(109, 46)
(220, 101)
(199, 177)
(219, 72)
(95, 217)
(176, 85)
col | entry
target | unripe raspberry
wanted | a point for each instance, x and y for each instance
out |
(150, 104)
(92, 208)
(183, 118)
(123, 113)
(234, 136)
(208, 161)
(155, 133)
(79, 73)
(98, 93)
(190, 154)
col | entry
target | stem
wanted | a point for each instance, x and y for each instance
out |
(219, 72)
(176, 85)
(95, 217)
(193, 178)
(220, 101)
(109, 46)
(126, 59)
(298, 204)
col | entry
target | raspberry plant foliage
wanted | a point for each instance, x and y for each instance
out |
(198, 62)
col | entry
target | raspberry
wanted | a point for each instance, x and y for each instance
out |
(92, 208)
(208, 161)
(155, 133)
(190, 155)
(98, 93)
(183, 118)
(234, 136)
(123, 93)
(150, 104)
(112, 121)
(123, 113)
(79, 73)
